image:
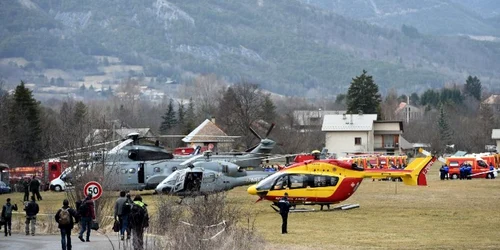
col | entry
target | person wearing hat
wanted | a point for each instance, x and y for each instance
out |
(316, 154)
(284, 206)
(7, 216)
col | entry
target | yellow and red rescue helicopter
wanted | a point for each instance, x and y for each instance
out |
(330, 181)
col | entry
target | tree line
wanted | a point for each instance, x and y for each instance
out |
(32, 131)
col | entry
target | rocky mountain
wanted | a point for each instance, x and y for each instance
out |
(449, 17)
(287, 46)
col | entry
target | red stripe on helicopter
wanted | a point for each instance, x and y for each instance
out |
(346, 188)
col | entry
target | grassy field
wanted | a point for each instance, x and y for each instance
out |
(443, 215)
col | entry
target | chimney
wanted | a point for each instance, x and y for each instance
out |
(213, 119)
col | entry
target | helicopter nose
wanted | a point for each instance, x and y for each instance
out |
(166, 189)
(252, 190)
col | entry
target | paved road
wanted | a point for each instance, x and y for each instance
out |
(22, 241)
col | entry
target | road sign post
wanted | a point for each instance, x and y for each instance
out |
(93, 188)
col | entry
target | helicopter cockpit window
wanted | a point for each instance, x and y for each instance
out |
(132, 154)
(209, 178)
(156, 169)
(281, 183)
(267, 183)
(297, 180)
(124, 170)
(131, 170)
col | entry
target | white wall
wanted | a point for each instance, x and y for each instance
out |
(386, 126)
(341, 142)
(498, 146)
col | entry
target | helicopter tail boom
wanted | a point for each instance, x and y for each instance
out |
(414, 174)
(419, 168)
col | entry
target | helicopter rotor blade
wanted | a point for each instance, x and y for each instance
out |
(269, 130)
(255, 133)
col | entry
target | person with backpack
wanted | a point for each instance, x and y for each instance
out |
(31, 209)
(123, 206)
(66, 217)
(138, 221)
(7, 216)
(87, 215)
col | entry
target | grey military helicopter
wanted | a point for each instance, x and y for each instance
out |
(249, 160)
(138, 163)
(207, 177)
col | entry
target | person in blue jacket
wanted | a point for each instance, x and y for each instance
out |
(284, 206)
(468, 172)
(462, 170)
(441, 173)
(491, 173)
(446, 172)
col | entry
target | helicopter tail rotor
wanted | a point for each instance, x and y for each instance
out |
(263, 141)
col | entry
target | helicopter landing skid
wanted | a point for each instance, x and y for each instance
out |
(301, 210)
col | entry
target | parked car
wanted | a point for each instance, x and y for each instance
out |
(4, 189)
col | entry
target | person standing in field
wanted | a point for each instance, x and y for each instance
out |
(284, 206)
(65, 218)
(31, 209)
(7, 216)
(35, 188)
(26, 186)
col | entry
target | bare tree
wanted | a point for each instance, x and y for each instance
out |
(205, 90)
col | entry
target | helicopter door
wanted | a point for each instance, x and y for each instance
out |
(140, 173)
(179, 184)
(192, 181)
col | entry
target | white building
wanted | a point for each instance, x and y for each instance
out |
(360, 133)
(311, 120)
(495, 135)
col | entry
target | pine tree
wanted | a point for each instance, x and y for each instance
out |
(25, 125)
(80, 113)
(169, 119)
(445, 131)
(181, 114)
(363, 95)
(268, 110)
(189, 118)
(473, 87)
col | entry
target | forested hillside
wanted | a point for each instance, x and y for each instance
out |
(438, 17)
(286, 46)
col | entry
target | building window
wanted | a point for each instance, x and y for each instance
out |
(357, 140)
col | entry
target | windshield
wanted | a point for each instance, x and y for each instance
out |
(171, 179)
(267, 183)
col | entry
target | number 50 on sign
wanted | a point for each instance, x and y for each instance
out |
(93, 188)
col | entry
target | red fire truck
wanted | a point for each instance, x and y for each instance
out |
(45, 171)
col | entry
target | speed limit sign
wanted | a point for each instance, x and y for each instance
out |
(93, 188)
